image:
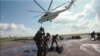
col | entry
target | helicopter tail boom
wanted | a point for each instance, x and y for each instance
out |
(69, 6)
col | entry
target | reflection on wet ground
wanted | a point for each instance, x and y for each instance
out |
(20, 51)
(81, 46)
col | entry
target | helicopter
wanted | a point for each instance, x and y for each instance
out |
(48, 14)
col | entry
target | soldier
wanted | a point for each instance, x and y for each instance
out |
(93, 35)
(38, 39)
(54, 40)
(45, 45)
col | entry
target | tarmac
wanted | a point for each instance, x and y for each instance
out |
(75, 47)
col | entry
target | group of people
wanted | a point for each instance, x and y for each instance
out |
(41, 40)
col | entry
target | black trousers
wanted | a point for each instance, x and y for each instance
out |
(39, 47)
(53, 43)
(93, 36)
(44, 50)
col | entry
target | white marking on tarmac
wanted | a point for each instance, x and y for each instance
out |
(95, 46)
(69, 43)
(83, 39)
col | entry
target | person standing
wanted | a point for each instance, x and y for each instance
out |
(54, 40)
(93, 35)
(45, 44)
(38, 39)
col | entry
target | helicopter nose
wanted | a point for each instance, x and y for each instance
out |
(39, 21)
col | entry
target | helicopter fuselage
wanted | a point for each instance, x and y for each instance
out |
(49, 16)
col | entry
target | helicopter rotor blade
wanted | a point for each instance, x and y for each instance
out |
(37, 15)
(74, 5)
(39, 5)
(50, 5)
(36, 11)
(58, 6)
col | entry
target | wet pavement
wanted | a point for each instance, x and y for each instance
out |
(19, 51)
(82, 47)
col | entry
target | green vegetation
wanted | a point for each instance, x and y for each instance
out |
(5, 39)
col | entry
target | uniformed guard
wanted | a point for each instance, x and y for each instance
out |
(54, 40)
(45, 44)
(93, 35)
(38, 39)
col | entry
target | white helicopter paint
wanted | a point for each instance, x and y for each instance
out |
(48, 15)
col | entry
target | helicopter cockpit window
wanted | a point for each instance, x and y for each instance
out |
(46, 15)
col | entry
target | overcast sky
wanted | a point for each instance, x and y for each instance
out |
(15, 20)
